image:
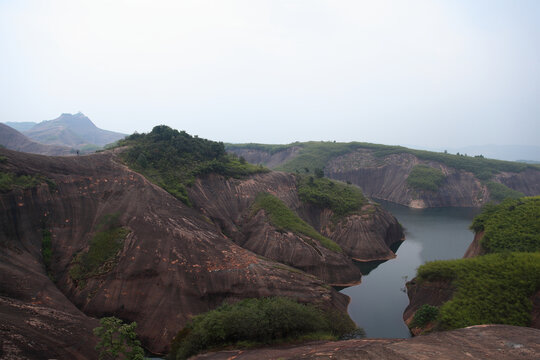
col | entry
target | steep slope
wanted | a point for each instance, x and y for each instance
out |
(384, 172)
(363, 237)
(73, 130)
(14, 140)
(173, 263)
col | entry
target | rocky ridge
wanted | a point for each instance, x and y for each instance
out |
(175, 262)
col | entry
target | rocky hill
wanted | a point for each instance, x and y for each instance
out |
(405, 176)
(14, 140)
(72, 130)
(85, 237)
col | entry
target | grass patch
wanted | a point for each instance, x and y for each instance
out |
(104, 246)
(46, 250)
(285, 219)
(513, 225)
(10, 181)
(498, 192)
(254, 322)
(173, 159)
(424, 177)
(490, 289)
(341, 198)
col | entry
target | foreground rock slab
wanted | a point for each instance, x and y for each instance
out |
(476, 342)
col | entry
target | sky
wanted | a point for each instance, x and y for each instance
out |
(426, 73)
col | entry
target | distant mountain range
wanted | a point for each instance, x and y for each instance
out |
(74, 131)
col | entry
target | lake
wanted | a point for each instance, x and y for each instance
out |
(377, 304)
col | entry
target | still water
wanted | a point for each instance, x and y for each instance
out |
(377, 304)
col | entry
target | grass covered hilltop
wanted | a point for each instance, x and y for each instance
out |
(173, 159)
(495, 288)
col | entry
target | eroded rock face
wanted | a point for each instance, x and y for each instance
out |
(365, 237)
(386, 178)
(500, 342)
(174, 263)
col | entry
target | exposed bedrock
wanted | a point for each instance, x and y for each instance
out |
(500, 342)
(173, 264)
(386, 177)
(364, 237)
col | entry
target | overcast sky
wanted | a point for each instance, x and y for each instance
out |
(427, 73)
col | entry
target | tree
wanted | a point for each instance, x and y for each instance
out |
(319, 173)
(118, 340)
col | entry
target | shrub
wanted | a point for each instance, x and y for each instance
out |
(285, 219)
(490, 289)
(513, 225)
(423, 177)
(253, 322)
(424, 315)
(118, 340)
(498, 192)
(173, 159)
(10, 181)
(341, 198)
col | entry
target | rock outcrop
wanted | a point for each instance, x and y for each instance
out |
(500, 342)
(175, 261)
(385, 177)
(366, 237)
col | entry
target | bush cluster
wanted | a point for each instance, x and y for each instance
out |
(424, 315)
(172, 159)
(341, 198)
(252, 322)
(513, 225)
(423, 177)
(498, 192)
(285, 219)
(490, 289)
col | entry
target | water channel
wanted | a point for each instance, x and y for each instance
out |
(377, 304)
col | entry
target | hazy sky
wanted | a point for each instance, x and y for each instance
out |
(429, 73)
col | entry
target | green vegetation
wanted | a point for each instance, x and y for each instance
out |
(118, 340)
(513, 225)
(424, 315)
(490, 289)
(3, 159)
(101, 255)
(285, 219)
(10, 181)
(173, 159)
(341, 198)
(499, 192)
(317, 154)
(423, 177)
(253, 322)
(46, 250)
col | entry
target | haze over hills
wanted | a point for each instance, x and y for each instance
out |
(72, 130)
(14, 140)
(21, 126)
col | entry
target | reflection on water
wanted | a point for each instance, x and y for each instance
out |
(377, 304)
